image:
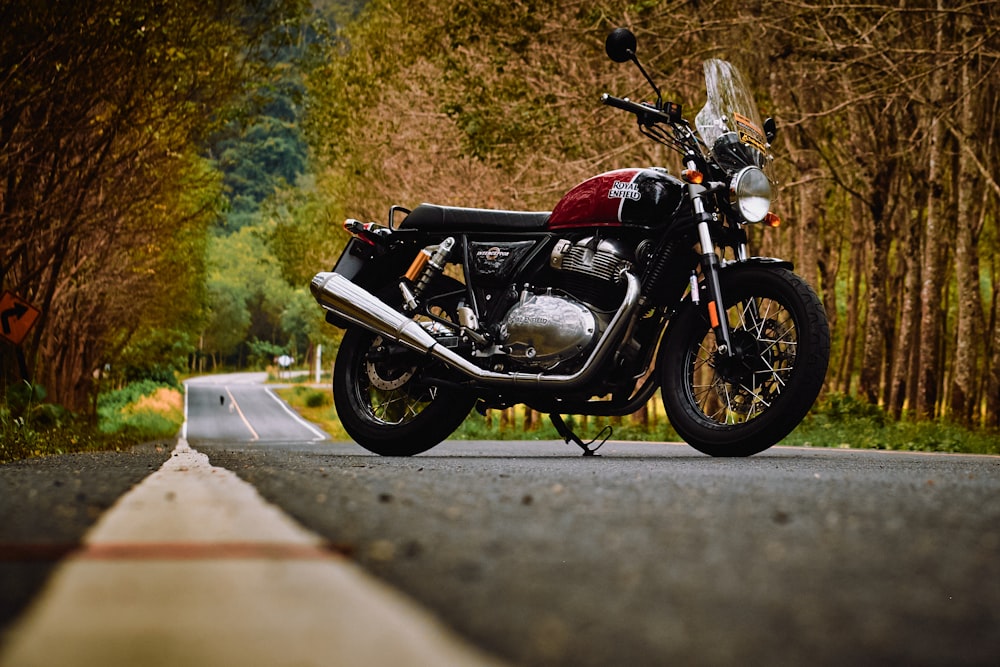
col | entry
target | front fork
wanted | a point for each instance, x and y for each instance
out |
(710, 270)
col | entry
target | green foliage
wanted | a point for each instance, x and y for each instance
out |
(115, 401)
(841, 408)
(262, 353)
(845, 421)
(303, 232)
(255, 161)
(837, 422)
(143, 410)
(317, 399)
(140, 412)
(246, 294)
(20, 438)
(478, 427)
(270, 241)
(106, 106)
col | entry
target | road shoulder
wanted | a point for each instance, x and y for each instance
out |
(193, 566)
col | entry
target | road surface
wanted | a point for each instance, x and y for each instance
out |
(649, 555)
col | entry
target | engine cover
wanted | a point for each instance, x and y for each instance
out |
(542, 330)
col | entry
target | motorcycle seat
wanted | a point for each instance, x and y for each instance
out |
(434, 218)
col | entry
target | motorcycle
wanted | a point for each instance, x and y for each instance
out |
(636, 280)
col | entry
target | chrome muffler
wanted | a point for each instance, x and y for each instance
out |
(359, 306)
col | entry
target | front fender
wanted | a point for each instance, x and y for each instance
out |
(775, 262)
(731, 269)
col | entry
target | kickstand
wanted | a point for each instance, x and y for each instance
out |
(567, 434)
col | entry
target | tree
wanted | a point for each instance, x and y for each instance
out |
(886, 159)
(105, 104)
(247, 295)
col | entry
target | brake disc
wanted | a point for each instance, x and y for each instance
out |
(382, 373)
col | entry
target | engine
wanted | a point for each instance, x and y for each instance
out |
(591, 269)
(551, 327)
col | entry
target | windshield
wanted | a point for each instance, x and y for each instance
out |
(730, 123)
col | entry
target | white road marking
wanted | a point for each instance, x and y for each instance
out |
(232, 404)
(193, 567)
(318, 435)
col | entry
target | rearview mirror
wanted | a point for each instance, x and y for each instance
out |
(770, 129)
(620, 45)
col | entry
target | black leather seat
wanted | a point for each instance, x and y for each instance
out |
(434, 218)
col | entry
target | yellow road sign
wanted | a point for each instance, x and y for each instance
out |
(16, 317)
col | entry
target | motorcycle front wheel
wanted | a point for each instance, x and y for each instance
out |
(385, 402)
(741, 405)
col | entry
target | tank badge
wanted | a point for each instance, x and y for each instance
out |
(624, 190)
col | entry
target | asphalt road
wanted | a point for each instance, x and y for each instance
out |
(239, 407)
(654, 555)
(649, 555)
(48, 504)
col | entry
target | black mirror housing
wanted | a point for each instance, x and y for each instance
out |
(620, 45)
(770, 129)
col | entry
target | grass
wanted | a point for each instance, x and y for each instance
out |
(837, 421)
(148, 411)
(141, 412)
(843, 421)
(316, 406)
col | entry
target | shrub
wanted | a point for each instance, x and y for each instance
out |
(143, 410)
(317, 399)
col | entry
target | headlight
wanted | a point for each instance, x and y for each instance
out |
(750, 194)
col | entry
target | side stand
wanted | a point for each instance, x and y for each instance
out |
(567, 434)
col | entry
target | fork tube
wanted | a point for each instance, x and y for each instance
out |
(710, 268)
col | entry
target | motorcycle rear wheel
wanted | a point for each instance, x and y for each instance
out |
(383, 401)
(742, 406)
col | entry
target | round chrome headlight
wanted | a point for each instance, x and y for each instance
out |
(750, 194)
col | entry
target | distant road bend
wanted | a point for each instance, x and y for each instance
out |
(239, 407)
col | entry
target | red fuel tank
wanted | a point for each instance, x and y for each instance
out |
(642, 197)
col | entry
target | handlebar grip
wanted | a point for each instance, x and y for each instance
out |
(645, 113)
(618, 103)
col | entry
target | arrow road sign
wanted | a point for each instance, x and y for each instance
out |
(16, 317)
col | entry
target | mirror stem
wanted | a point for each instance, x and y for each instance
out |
(659, 96)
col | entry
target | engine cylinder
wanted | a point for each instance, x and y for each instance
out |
(592, 269)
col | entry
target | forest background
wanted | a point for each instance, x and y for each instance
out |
(174, 172)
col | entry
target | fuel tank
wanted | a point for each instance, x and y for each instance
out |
(643, 197)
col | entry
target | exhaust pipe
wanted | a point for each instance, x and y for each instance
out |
(359, 306)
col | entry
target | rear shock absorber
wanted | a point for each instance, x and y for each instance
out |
(428, 264)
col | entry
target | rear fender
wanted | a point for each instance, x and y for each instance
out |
(369, 268)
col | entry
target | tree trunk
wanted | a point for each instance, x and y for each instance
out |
(877, 327)
(931, 287)
(907, 332)
(845, 373)
(970, 307)
(993, 381)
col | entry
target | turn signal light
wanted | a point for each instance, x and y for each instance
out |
(693, 176)
(771, 220)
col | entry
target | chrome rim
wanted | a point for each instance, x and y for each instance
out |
(729, 392)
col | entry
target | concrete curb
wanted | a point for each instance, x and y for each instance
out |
(193, 567)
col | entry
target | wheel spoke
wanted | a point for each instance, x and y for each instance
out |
(766, 334)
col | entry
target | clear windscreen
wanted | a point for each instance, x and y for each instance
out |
(730, 114)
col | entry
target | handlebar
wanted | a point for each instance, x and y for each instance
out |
(646, 114)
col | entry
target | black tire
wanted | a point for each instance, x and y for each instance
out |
(726, 408)
(383, 401)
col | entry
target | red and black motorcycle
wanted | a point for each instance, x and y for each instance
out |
(636, 280)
